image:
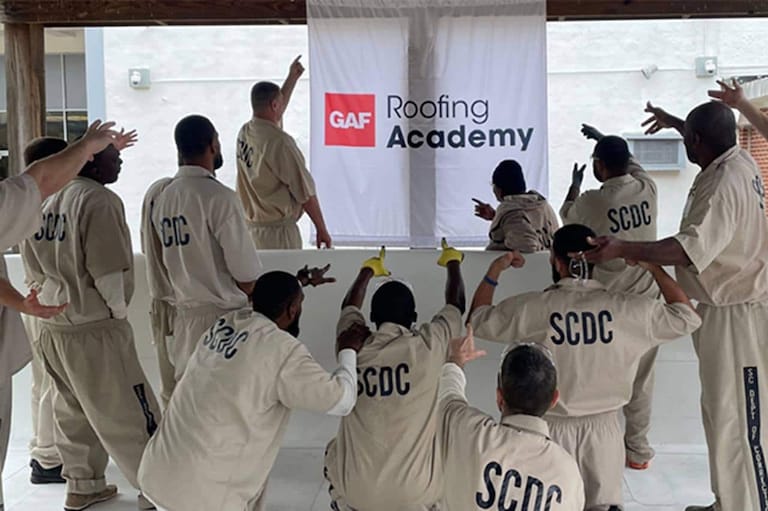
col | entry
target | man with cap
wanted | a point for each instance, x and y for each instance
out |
(385, 455)
(209, 263)
(273, 181)
(222, 430)
(524, 220)
(624, 206)
(513, 462)
(721, 259)
(103, 405)
(597, 338)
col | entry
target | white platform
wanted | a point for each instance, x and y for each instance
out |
(678, 477)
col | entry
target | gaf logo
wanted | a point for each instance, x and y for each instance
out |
(350, 120)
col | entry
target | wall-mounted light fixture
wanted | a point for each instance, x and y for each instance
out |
(649, 71)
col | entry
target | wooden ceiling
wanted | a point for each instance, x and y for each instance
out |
(228, 12)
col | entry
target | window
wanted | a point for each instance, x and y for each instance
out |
(661, 152)
(65, 99)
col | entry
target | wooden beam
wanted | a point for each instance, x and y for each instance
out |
(25, 90)
(174, 12)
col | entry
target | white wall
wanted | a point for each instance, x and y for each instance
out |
(594, 77)
(676, 418)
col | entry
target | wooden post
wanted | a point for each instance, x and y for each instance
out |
(25, 78)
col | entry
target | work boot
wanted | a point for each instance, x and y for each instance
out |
(78, 502)
(145, 504)
(711, 507)
(42, 475)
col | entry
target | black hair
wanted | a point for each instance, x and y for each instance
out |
(43, 147)
(194, 134)
(509, 178)
(715, 123)
(262, 94)
(393, 302)
(274, 292)
(614, 152)
(528, 381)
(572, 238)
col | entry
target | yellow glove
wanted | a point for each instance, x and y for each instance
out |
(449, 254)
(376, 264)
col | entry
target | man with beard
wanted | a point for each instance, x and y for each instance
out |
(210, 261)
(597, 338)
(222, 431)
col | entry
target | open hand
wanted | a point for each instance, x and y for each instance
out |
(606, 248)
(462, 350)
(659, 119)
(484, 210)
(98, 136)
(731, 96)
(125, 140)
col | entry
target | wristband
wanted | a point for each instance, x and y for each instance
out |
(489, 280)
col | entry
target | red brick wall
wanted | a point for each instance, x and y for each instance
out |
(753, 141)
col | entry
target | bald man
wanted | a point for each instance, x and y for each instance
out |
(721, 259)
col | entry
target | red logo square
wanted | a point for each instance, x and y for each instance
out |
(350, 120)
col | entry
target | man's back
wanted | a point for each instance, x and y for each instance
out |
(160, 287)
(597, 337)
(385, 454)
(83, 237)
(524, 222)
(206, 249)
(222, 431)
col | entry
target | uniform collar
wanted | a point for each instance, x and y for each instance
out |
(388, 331)
(619, 180)
(529, 423)
(263, 122)
(570, 283)
(730, 153)
(193, 171)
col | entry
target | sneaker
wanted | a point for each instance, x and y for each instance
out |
(638, 466)
(78, 502)
(145, 504)
(42, 475)
(712, 507)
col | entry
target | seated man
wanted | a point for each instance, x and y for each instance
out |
(524, 221)
(500, 465)
(227, 416)
(597, 338)
(384, 456)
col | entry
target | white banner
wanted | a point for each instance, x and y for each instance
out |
(414, 103)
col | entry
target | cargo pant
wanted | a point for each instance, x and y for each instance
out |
(282, 235)
(162, 316)
(732, 347)
(188, 327)
(638, 411)
(104, 406)
(596, 443)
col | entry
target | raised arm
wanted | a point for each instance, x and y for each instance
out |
(577, 177)
(660, 119)
(666, 252)
(734, 97)
(451, 259)
(487, 287)
(294, 73)
(373, 267)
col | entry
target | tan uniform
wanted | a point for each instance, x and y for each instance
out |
(524, 222)
(205, 251)
(162, 313)
(597, 339)
(223, 427)
(512, 464)
(273, 183)
(384, 456)
(20, 202)
(625, 207)
(103, 405)
(724, 232)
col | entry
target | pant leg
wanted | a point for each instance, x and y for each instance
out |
(188, 328)
(42, 446)
(733, 367)
(6, 398)
(596, 443)
(162, 318)
(283, 236)
(82, 454)
(638, 411)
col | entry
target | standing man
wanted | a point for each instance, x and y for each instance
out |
(273, 181)
(721, 259)
(103, 406)
(162, 312)
(597, 338)
(222, 432)
(626, 207)
(386, 454)
(491, 464)
(210, 262)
